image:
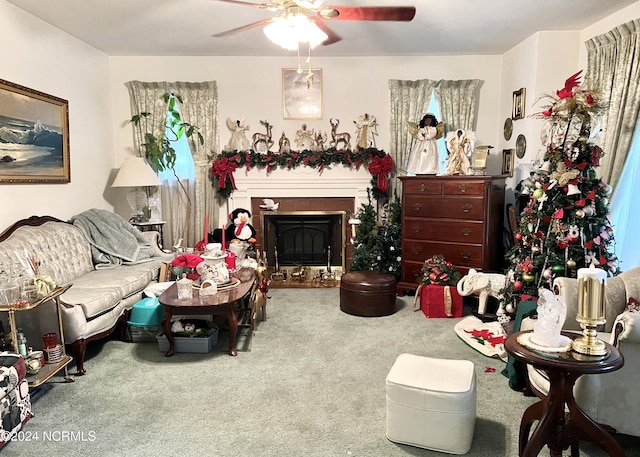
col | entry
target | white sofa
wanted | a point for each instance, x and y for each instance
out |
(98, 300)
(610, 399)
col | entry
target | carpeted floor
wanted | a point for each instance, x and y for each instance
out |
(312, 385)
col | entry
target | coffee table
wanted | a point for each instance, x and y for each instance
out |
(224, 303)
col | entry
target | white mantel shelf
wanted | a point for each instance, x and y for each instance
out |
(337, 181)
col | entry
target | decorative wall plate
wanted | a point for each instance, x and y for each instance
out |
(508, 128)
(521, 146)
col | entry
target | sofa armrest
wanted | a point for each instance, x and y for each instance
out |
(626, 328)
(154, 237)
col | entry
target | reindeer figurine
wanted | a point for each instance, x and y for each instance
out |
(262, 142)
(344, 137)
(262, 288)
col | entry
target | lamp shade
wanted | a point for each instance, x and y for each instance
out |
(136, 172)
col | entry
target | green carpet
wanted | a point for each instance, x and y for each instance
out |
(312, 385)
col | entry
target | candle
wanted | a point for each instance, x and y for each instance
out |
(206, 229)
(591, 285)
(224, 246)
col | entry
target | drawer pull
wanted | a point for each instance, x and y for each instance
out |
(422, 187)
(417, 206)
(467, 231)
(462, 188)
(466, 207)
(417, 228)
(417, 250)
(416, 272)
(466, 255)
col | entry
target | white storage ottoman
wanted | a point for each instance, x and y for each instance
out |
(431, 403)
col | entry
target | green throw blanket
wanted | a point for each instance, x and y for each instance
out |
(515, 370)
(113, 240)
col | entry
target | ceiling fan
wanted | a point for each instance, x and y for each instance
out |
(317, 14)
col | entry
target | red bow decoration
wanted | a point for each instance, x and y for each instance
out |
(382, 167)
(223, 168)
(263, 287)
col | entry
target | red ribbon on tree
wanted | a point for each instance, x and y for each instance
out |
(223, 168)
(382, 166)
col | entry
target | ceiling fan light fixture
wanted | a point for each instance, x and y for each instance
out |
(289, 30)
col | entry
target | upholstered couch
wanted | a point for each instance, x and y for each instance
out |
(99, 298)
(15, 401)
(610, 399)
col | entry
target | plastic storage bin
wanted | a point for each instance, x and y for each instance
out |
(189, 344)
(146, 313)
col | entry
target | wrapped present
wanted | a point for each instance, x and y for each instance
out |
(438, 301)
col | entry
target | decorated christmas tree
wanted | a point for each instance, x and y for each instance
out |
(378, 237)
(565, 224)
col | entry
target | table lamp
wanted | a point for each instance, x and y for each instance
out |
(591, 287)
(137, 174)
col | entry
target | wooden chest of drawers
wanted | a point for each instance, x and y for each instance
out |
(460, 217)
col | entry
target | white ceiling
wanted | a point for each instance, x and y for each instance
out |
(440, 27)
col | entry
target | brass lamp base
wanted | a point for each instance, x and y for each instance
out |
(589, 344)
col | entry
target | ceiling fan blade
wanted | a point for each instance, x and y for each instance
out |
(263, 6)
(333, 37)
(253, 25)
(368, 13)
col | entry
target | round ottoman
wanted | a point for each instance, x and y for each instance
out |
(368, 293)
(431, 403)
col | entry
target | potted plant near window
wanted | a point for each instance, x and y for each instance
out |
(158, 146)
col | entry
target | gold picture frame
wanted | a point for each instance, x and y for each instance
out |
(517, 110)
(508, 159)
(302, 93)
(34, 136)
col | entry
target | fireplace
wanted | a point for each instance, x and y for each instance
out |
(313, 239)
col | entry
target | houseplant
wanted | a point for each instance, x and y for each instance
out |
(158, 146)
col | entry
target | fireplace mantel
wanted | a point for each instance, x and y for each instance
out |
(337, 181)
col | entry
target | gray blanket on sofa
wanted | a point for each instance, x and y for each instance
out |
(114, 241)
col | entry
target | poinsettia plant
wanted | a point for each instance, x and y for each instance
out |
(437, 270)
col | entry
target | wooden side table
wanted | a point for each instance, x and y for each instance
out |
(151, 225)
(561, 422)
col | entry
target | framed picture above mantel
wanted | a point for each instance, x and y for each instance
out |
(34, 136)
(302, 93)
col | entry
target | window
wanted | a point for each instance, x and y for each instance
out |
(434, 108)
(625, 219)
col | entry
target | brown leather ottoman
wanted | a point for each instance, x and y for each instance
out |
(368, 293)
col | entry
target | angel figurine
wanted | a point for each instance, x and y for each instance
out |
(460, 145)
(423, 159)
(321, 139)
(238, 140)
(305, 139)
(367, 128)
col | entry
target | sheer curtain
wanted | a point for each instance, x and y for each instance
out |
(409, 102)
(200, 108)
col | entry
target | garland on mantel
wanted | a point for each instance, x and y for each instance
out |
(378, 163)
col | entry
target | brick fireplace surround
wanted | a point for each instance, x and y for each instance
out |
(302, 189)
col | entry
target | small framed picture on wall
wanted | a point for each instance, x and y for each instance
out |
(518, 104)
(508, 158)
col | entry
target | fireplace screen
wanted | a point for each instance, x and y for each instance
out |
(303, 238)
